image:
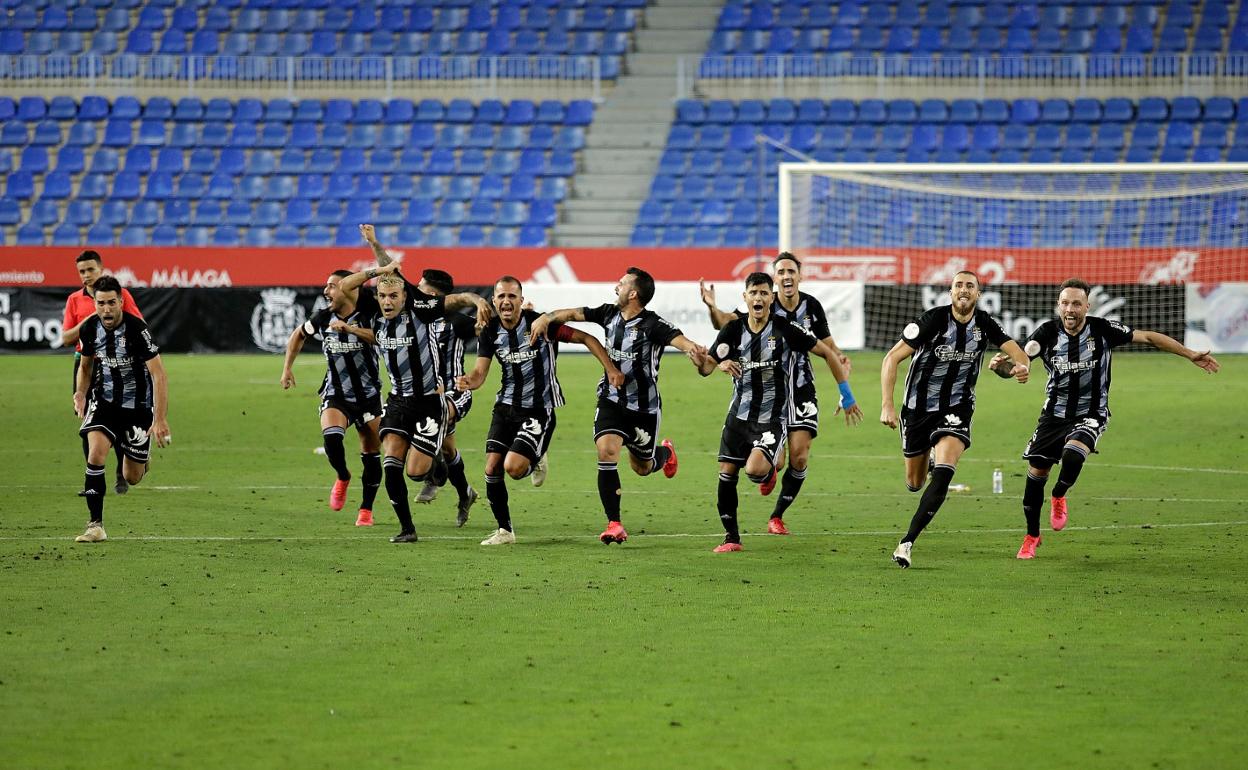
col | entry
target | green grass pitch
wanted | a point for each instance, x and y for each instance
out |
(233, 621)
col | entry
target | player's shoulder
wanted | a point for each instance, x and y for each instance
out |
(813, 305)
(1108, 325)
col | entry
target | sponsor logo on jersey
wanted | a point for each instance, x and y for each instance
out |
(517, 356)
(947, 353)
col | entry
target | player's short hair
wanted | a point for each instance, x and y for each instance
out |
(439, 280)
(1076, 283)
(90, 255)
(786, 255)
(755, 278)
(510, 279)
(391, 279)
(106, 283)
(644, 283)
(341, 274)
(971, 273)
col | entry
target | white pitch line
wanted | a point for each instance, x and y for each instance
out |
(663, 536)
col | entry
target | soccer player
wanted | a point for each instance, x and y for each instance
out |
(524, 411)
(350, 391)
(80, 306)
(1076, 350)
(759, 352)
(802, 418)
(124, 378)
(628, 415)
(948, 344)
(414, 417)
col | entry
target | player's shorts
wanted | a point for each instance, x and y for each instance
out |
(359, 413)
(419, 419)
(740, 437)
(126, 428)
(462, 401)
(920, 431)
(803, 410)
(526, 432)
(639, 430)
(1045, 447)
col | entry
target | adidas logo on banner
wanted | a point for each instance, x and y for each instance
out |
(556, 270)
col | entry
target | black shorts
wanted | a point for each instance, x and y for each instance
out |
(462, 401)
(526, 432)
(126, 428)
(419, 419)
(359, 413)
(639, 430)
(1045, 447)
(741, 437)
(803, 410)
(920, 431)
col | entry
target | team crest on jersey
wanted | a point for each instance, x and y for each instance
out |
(953, 419)
(275, 318)
(767, 439)
(771, 342)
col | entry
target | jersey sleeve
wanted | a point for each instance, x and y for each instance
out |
(725, 347)
(86, 336)
(465, 328)
(798, 337)
(996, 335)
(1116, 333)
(920, 331)
(319, 320)
(819, 320)
(141, 338)
(662, 333)
(486, 346)
(598, 315)
(129, 305)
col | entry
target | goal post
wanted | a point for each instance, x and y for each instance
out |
(1155, 240)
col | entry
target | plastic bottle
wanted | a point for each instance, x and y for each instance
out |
(959, 487)
(998, 481)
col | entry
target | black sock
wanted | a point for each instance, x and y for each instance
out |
(1072, 464)
(496, 493)
(790, 485)
(121, 462)
(1033, 498)
(929, 504)
(728, 506)
(396, 489)
(661, 455)
(334, 451)
(609, 489)
(371, 478)
(95, 487)
(455, 474)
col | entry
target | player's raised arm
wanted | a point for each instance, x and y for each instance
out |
(888, 382)
(718, 317)
(614, 376)
(1171, 345)
(379, 252)
(476, 378)
(541, 324)
(354, 281)
(362, 332)
(160, 409)
(463, 300)
(293, 345)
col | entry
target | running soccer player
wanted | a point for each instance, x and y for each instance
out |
(758, 351)
(948, 344)
(628, 415)
(414, 417)
(802, 419)
(79, 307)
(350, 391)
(122, 375)
(1076, 349)
(524, 411)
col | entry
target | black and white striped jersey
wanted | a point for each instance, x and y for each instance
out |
(351, 371)
(636, 345)
(119, 376)
(1078, 365)
(408, 347)
(529, 380)
(451, 333)
(767, 362)
(809, 314)
(947, 357)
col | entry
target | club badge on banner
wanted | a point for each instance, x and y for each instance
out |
(1217, 317)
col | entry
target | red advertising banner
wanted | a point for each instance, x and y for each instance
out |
(211, 267)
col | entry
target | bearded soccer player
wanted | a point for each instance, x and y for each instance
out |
(759, 351)
(80, 306)
(1076, 349)
(802, 418)
(414, 417)
(351, 390)
(121, 395)
(948, 344)
(628, 415)
(524, 411)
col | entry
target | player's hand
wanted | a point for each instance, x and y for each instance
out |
(288, 379)
(1000, 366)
(80, 405)
(845, 364)
(381, 270)
(338, 325)
(484, 315)
(465, 383)
(369, 233)
(1207, 362)
(615, 377)
(888, 416)
(160, 430)
(528, 305)
(853, 415)
(730, 367)
(708, 292)
(539, 329)
(1020, 373)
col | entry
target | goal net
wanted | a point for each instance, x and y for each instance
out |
(1165, 246)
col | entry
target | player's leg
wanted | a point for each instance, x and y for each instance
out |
(99, 445)
(610, 489)
(1080, 442)
(948, 450)
(726, 502)
(135, 455)
(334, 422)
(394, 448)
(504, 426)
(916, 444)
(1033, 498)
(370, 460)
(429, 492)
(791, 484)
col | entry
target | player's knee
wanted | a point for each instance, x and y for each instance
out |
(134, 473)
(757, 478)
(914, 486)
(517, 469)
(640, 466)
